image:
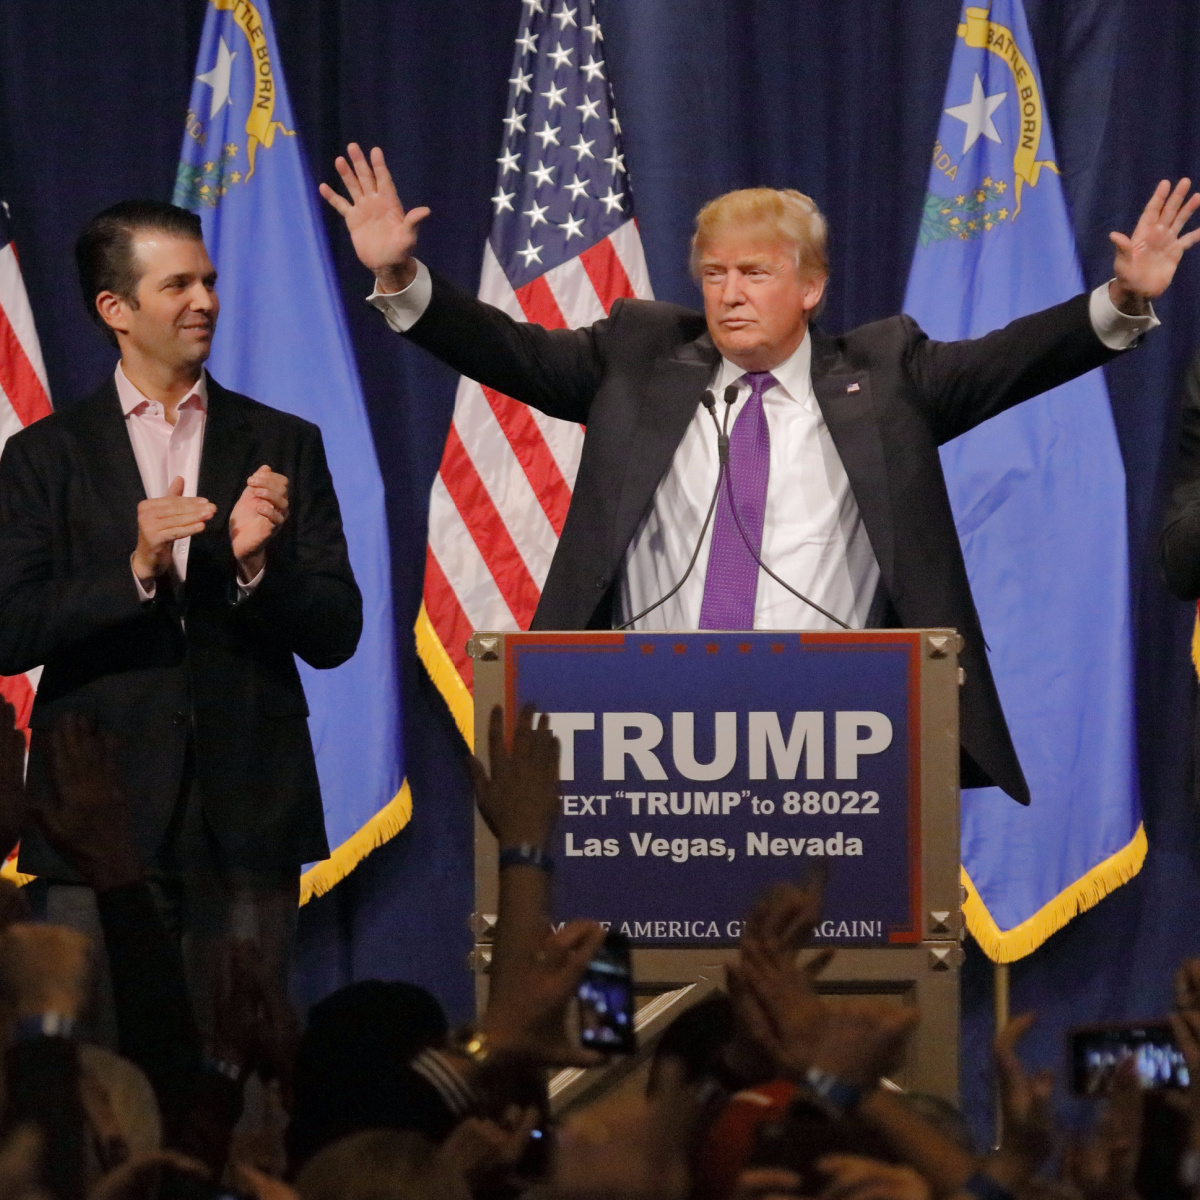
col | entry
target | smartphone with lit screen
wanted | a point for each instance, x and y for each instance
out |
(606, 1001)
(1098, 1050)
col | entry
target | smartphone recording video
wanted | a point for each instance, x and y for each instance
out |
(606, 999)
(1098, 1051)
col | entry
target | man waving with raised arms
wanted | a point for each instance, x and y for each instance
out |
(833, 509)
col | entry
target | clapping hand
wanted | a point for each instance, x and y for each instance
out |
(256, 517)
(384, 235)
(1145, 262)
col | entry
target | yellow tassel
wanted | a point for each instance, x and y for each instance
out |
(445, 676)
(382, 827)
(1006, 946)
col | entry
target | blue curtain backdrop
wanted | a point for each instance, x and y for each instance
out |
(839, 99)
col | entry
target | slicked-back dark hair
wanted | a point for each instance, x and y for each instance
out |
(104, 252)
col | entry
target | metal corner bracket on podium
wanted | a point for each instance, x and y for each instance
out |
(698, 767)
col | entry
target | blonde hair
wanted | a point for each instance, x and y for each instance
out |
(783, 212)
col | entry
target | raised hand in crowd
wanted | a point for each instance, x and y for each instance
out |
(1025, 1103)
(86, 819)
(384, 235)
(779, 1018)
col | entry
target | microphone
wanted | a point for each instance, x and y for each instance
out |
(710, 402)
(725, 475)
(726, 471)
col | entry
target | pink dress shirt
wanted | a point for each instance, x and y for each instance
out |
(164, 451)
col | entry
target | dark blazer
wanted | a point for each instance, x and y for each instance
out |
(200, 665)
(636, 378)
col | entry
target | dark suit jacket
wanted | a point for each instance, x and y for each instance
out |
(1179, 547)
(200, 665)
(635, 380)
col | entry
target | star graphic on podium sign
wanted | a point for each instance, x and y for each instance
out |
(218, 78)
(976, 115)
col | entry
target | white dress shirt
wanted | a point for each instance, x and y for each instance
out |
(813, 535)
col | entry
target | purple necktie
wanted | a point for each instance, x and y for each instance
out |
(731, 584)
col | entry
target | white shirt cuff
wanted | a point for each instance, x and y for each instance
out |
(144, 593)
(247, 589)
(1117, 330)
(403, 309)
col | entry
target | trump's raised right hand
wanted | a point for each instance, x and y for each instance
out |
(384, 235)
(161, 523)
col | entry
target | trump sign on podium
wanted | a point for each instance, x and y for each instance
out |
(697, 768)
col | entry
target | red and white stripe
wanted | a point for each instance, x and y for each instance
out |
(501, 494)
(24, 397)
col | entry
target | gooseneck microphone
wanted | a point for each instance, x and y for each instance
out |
(727, 472)
(725, 476)
(709, 401)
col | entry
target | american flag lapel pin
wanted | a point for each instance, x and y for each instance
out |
(852, 388)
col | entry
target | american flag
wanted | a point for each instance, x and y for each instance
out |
(563, 248)
(24, 397)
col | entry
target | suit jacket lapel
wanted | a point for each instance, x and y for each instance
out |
(668, 404)
(118, 481)
(844, 396)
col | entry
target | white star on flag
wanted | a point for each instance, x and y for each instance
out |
(536, 214)
(560, 57)
(508, 161)
(572, 227)
(521, 82)
(544, 175)
(218, 78)
(555, 97)
(588, 110)
(583, 149)
(528, 43)
(577, 187)
(617, 162)
(548, 135)
(612, 201)
(503, 200)
(593, 69)
(514, 121)
(531, 253)
(594, 30)
(976, 115)
(565, 16)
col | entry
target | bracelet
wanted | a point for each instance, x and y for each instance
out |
(526, 855)
(983, 1187)
(473, 1043)
(47, 1024)
(837, 1093)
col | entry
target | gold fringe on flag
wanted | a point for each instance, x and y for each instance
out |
(320, 877)
(382, 827)
(1006, 946)
(445, 676)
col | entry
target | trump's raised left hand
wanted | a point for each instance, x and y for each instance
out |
(261, 509)
(1145, 262)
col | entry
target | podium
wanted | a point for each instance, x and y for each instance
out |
(699, 767)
